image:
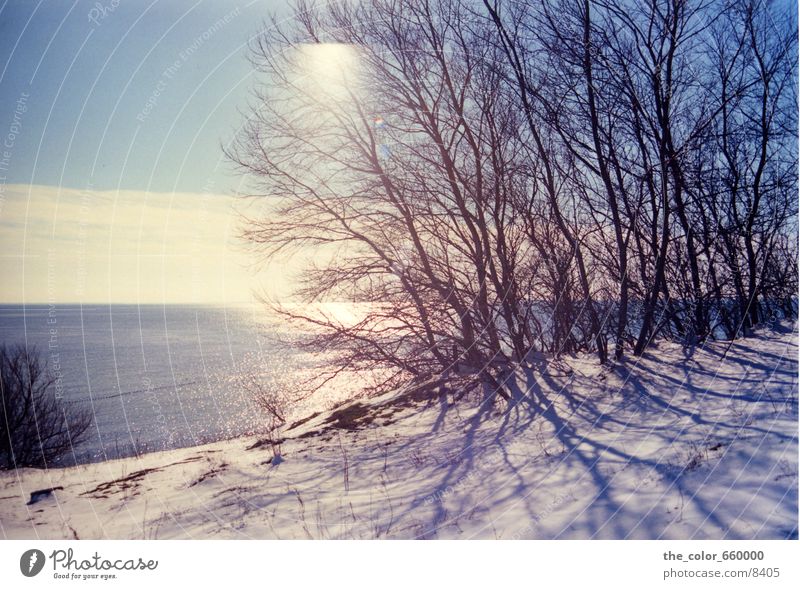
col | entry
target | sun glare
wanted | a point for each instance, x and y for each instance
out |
(329, 68)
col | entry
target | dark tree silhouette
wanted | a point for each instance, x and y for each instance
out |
(36, 428)
(490, 181)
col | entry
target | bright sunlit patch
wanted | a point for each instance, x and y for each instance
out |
(329, 68)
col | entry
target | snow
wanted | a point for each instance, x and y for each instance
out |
(680, 444)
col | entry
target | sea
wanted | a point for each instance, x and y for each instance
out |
(153, 377)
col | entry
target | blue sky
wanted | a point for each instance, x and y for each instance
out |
(88, 80)
(127, 100)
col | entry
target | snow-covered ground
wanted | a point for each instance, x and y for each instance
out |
(679, 444)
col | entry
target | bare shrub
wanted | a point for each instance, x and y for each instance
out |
(37, 429)
(274, 402)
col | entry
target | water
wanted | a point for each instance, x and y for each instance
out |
(153, 377)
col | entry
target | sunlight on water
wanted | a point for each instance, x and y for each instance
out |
(159, 377)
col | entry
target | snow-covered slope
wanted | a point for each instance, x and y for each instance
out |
(679, 444)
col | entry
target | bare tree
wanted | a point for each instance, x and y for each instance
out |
(644, 97)
(491, 180)
(751, 185)
(409, 177)
(36, 428)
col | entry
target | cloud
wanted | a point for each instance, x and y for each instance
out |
(67, 245)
